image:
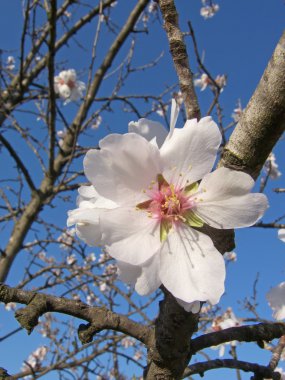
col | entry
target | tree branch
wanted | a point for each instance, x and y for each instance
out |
(98, 318)
(263, 120)
(255, 333)
(259, 370)
(180, 57)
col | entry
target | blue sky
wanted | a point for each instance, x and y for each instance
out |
(238, 42)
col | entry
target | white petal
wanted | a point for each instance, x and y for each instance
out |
(123, 168)
(128, 273)
(191, 267)
(276, 300)
(281, 234)
(191, 151)
(193, 307)
(173, 116)
(89, 198)
(149, 130)
(149, 280)
(129, 235)
(87, 224)
(88, 192)
(224, 201)
(224, 183)
(89, 233)
(83, 215)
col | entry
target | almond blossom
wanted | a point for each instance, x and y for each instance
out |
(281, 234)
(271, 167)
(209, 11)
(225, 321)
(276, 300)
(153, 190)
(202, 82)
(68, 87)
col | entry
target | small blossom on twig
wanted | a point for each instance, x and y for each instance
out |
(68, 87)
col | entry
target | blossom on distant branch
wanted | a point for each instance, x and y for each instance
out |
(238, 111)
(281, 234)
(225, 321)
(68, 87)
(221, 81)
(202, 82)
(208, 11)
(97, 122)
(10, 306)
(276, 300)
(230, 256)
(35, 359)
(148, 198)
(178, 96)
(10, 63)
(271, 167)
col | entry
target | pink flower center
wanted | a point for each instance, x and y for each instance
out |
(167, 203)
(70, 83)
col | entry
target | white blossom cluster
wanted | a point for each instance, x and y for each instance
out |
(34, 361)
(204, 81)
(225, 321)
(10, 63)
(271, 167)
(68, 87)
(237, 112)
(209, 9)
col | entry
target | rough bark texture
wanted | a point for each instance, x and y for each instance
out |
(98, 318)
(263, 121)
(180, 58)
(169, 352)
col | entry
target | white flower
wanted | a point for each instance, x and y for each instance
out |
(225, 321)
(153, 7)
(97, 122)
(71, 259)
(221, 81)
(236, 115)
(127, 342)
(67, 238)
(276, 300)
(281, 234)
(67, 14)
(10, 306)
(10, 63)
(230, 256)
(148, 198)
(271, 167)
(36, 358)
(161, 109)
(202, 82)
(68, 87)
(209, 11)
(178, 97)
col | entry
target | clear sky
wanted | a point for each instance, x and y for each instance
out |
(237, 42)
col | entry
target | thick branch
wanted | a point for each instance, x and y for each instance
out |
(259, 370)
(98, 318)
(263, 121)
(255, 333)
